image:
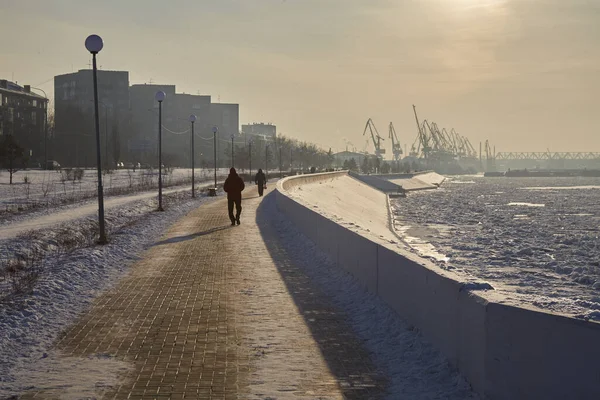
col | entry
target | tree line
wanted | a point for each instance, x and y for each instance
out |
(372, 164)
(275, 152)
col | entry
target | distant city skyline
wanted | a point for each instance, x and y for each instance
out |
(521, 73)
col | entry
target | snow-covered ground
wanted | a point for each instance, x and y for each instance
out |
(69, 280)
(535, 240)
(46, 218)
(48, 189)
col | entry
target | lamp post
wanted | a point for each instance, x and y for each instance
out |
(267, 161)
(160, 97)
(105, 132)
(94, 44)
(215, 129)
(250, 158)
(192, 120)
(232, 155)
(45, 128)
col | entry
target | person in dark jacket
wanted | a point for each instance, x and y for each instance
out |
(261, 181)
(234, 185)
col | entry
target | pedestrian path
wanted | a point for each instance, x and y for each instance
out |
(215, 312)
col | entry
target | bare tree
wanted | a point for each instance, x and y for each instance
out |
(12, 156)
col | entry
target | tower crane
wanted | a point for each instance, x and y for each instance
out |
(396, 148)
(422, 138)
(375, 137)
(470, 149)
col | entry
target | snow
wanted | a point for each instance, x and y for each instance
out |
(414, 368)
(47, 189)
(73, 212)
(518, 203)
(533, 240)
(428, 180)
(538, 248)
(30, 323)
(350, 203)
(75, 377)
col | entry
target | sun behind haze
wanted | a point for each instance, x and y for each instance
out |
(524, 74)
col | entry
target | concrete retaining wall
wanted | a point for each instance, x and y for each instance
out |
(505, 352)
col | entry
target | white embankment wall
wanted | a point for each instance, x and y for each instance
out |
(505, 352)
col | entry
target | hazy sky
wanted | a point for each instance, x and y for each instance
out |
(523, 73)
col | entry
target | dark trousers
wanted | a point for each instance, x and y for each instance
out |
(261, 188)
(238, 208)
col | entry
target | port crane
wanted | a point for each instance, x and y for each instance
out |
(375, 137)
(440, 144)
(490, 157)
(421, 144)
(396, 148)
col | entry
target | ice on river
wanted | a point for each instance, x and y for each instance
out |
(531, 238)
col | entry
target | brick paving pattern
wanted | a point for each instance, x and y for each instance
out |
(219, 312)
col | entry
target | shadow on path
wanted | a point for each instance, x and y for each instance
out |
(343, 352)
(192, 236)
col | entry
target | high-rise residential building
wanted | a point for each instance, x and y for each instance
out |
(75, 136)
(23, 114)
(226, 117)
(176, 134)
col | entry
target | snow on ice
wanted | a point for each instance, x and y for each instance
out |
(536, 240)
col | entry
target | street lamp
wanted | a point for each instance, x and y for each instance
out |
(94, 44)
(192, 120)
(232, 155)
(215, 130)
(45, 128)
(250, 157)
(267, 161)
(106, 107)
(280, 173)
(160, 97)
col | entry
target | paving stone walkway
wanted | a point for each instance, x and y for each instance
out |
(218, 312)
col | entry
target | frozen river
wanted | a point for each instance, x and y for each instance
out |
(536, 240)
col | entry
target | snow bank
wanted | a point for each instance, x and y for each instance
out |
(506, 352)
(349, 202)
(392, 183)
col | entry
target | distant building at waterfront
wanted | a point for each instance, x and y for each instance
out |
(75, 142)
(343, 156)
(23, 115)
(259, 129)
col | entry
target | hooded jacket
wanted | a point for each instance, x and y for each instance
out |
(234, 185)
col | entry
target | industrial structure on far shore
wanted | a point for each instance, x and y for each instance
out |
(448, 152)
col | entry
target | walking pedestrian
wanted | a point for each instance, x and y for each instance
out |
(261, 180)
(234, 185)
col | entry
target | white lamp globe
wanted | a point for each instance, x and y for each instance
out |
(192, 118)
(214, 129)
(94, 44)
(160, 96)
